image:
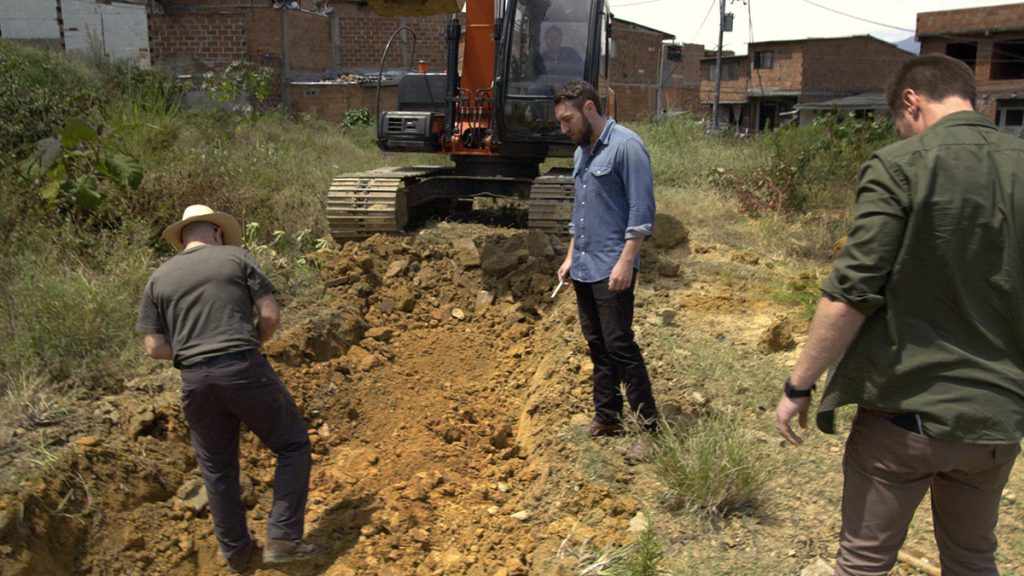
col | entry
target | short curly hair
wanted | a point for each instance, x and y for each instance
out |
(576, 93)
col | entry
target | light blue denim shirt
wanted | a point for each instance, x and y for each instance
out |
(614, 201)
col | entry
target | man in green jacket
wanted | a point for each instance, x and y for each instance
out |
(924, 312)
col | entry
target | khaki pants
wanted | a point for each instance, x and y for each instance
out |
(887, 471)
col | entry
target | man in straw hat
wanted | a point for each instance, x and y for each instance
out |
(198, 310)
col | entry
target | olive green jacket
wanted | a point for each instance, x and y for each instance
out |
(935, 260)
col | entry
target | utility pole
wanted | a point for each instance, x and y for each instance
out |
(718, 67)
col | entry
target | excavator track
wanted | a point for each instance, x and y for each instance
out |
(550, 206)
(366, 203)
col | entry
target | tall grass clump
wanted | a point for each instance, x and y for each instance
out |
(711, 467)
(683, 154)
(69, 312)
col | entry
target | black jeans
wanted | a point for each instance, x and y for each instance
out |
(607, 321)
(217, 397)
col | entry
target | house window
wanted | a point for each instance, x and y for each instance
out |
(1011, 118)
(763, 59)
(1007, 60)
(967, 52)
(730, 71)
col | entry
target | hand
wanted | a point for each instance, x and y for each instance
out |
(564, 269)
(784, 412)
(622, 276)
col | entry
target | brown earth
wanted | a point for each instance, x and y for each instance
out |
(443, 388)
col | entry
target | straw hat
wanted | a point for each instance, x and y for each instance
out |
(230, 228)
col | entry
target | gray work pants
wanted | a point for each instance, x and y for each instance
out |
(219, 395)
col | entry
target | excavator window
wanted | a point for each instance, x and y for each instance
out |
(548, 47)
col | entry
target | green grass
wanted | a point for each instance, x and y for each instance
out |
(711, 467)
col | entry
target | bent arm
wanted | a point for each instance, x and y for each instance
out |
(269, 317)
(157, 347)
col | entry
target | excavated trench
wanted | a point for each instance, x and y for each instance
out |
(427, 375)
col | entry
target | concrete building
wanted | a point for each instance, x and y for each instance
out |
(991, 41)
(114, 29)
(763, 88)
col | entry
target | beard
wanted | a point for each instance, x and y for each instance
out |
(585, 134)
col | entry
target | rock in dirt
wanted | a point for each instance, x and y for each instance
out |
(466, 252)
(668, 268)
(818, 568)
(778, 337)
(395, 268)
(669, 232)
(638, 523)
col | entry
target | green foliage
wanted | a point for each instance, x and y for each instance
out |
(803, 291)
(357, 117)
(41, 91)
(282, 259)
(237, 83)
(642, 557)
(802, 166)
(711, 467)
(75, 170)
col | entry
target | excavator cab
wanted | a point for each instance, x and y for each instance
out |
(548, 43)
(491, 112)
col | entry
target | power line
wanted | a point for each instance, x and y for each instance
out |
(884, 25)
(701, 27)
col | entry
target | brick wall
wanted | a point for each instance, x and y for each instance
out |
(364, 35)
(635, 72)
(197, 40)
(984, 27)
(787, 69)
(980, 21)
(847, 66)
(682, 81)
(331, 101)
(731, 90)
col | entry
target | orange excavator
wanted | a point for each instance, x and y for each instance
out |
(493, 116)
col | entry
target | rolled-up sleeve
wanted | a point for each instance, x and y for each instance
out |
(863, 267)
(638, 180)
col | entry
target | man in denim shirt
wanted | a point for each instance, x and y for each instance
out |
(613, 211)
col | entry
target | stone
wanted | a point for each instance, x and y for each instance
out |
(539, 244)
(466, 252)
(404, 299)
(458, 314)
(483, 300)
(362, 360)
(777, 337)
(668, 232)
(193, 494)
(638, 523)
(522, 516)
(819, 568)
(380, 333)
(498, 263)
(395, 268)
(668, 268)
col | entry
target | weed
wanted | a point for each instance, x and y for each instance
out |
(640, 558)
(710, 468)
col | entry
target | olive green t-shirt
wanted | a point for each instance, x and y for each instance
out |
(935, 260)
(203, 301)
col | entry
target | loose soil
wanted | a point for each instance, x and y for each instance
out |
(443, 389)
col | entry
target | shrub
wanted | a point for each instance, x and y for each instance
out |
(710, 467)
(41, 91)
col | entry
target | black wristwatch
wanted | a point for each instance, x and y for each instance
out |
(791, 392)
